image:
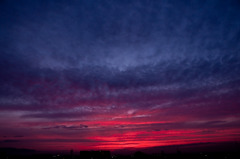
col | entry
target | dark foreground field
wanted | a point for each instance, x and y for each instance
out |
(227, 150)
(137, 155)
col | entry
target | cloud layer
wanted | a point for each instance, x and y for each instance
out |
(118, 74)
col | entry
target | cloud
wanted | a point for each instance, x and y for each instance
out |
(7, 141)
(18, 136)
(73, 127)
(163, 63)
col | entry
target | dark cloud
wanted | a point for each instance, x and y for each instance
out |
(11, 141)
(54, 115)
(74, 127)
(18, 136)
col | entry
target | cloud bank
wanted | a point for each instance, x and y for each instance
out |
(109, 74)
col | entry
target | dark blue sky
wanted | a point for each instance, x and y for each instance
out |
(114, 67)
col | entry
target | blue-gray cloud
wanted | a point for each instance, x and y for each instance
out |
(111, 57)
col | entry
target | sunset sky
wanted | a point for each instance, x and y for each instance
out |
(118, 74)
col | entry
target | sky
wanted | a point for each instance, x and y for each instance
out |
(118, 74)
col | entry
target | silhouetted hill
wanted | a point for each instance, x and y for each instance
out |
(188, 148)
(15, 151)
